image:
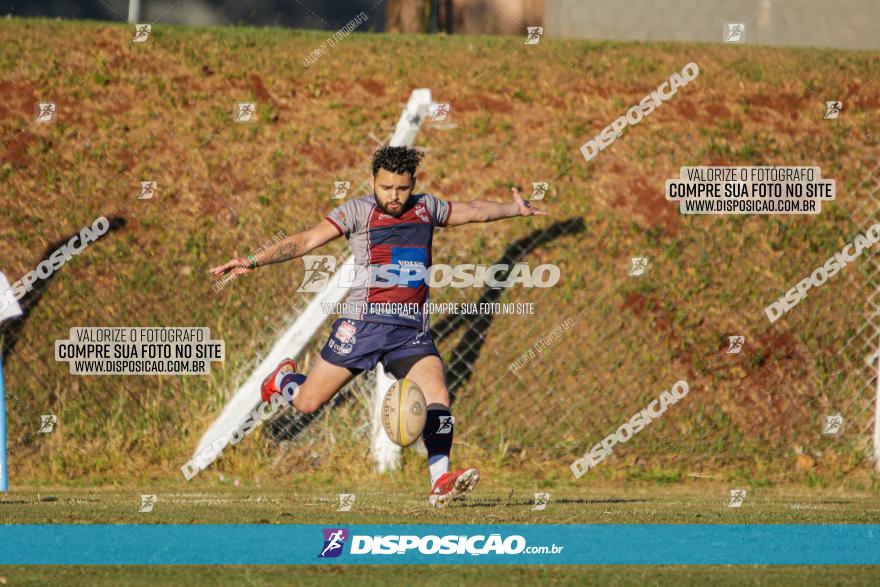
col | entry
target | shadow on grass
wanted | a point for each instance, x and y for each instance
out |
(11, 329)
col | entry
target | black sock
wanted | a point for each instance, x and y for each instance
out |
(437, 435)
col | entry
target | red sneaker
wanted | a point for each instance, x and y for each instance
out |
(268, 387)
(452, 485)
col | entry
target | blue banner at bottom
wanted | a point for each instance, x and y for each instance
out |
(586, 544)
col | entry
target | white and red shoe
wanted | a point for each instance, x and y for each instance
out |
(268, 387)
(452, 485)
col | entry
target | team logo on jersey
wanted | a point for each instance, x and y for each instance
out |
(334, 541)
(422, 213)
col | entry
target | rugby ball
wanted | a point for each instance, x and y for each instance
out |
(404, 412)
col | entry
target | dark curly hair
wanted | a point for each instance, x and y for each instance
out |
(396, 160)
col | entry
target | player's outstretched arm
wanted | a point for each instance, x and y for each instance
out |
(287, 248)
(483, 211)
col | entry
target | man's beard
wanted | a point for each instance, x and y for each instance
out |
(397, 212)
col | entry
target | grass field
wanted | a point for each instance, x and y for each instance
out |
(439, 576)
(396, 500)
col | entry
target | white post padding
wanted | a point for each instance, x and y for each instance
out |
(385, 453)
(134, 11)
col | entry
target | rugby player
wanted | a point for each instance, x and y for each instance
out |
(392, 226)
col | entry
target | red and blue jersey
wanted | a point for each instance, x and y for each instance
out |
(380, 240)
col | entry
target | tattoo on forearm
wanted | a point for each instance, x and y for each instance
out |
(282, 252)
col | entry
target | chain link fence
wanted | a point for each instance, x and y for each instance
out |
(599, 346)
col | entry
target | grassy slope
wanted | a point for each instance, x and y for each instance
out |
(162, 111)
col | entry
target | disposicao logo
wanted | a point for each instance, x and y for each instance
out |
(334, 540)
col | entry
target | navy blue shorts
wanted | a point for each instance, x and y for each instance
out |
(359, 346)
